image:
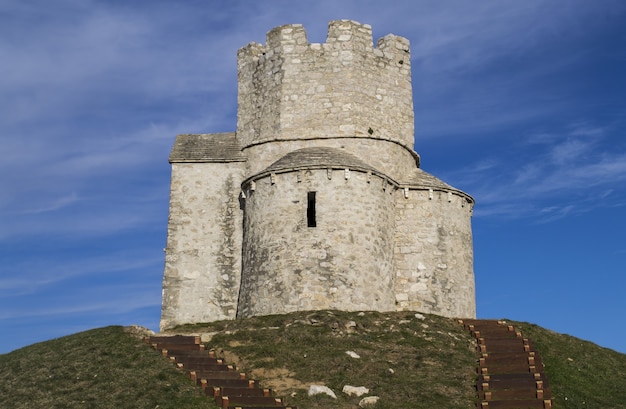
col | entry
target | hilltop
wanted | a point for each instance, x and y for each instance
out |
(408, 359)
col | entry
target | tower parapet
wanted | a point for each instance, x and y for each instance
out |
(317, 201)
(290, 89)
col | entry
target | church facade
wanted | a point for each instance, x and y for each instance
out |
(317, 201)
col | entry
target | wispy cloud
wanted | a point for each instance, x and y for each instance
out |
(96, 91)
(549, 175)
(55, 204)
(29, 277)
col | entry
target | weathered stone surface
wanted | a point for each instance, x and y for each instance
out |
(368, 401)
(203, 251)
(318, 389)
(355, 390)
(325, 126)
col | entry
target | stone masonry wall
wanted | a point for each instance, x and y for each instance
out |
(291, 89)
(345, 262)
(387, 157)
(433, 254)
(388, 236)
(203, 253)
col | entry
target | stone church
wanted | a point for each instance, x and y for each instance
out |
(317, 201)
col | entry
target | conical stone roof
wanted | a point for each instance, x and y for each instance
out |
(318, 158)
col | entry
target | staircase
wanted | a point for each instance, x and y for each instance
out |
(230, 388)
(510, 371)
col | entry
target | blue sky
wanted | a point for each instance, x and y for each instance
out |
(519, 103)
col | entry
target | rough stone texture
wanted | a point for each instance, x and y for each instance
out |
(203, 252)
(216, 148)
(318, 389)
(394, 160)
(343, 263)
(291, 89)
(335, 119)
(433, 255)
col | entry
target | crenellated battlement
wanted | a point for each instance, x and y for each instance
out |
(317, 200)
(290, 89)
(289, 38)
(342, 35)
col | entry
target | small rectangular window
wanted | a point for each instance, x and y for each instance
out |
(310, 210)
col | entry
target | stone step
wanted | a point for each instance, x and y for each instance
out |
(510, 369)
(261, 407)
(529, 357)
(511, 394)
(495, 330)
(516, 404)
(508, 347)
(495, 341)
(245, 401)
(189, 353)
(229, 387)
(174, 339)
(512, 381)
(235, 391)
(189, 361)
(208, 383)
(197, 375)
(212, 367)
(161, 346)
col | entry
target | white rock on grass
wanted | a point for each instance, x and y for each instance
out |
(353, 354)
(350, 325)
(355, 390)
(317, 389)
(419, 316)
(370, 400)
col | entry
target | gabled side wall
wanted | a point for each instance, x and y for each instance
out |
(203, 253)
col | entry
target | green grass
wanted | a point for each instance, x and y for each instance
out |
(582, 374)
(101, 368)
(407, 361)
(428, 362)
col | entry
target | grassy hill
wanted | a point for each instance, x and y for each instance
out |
(408, 360)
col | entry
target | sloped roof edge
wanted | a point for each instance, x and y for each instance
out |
(215, 147)
(317, 158)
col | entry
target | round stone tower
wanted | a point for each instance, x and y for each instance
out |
(318, 234)
(344, 93)
(318, 200)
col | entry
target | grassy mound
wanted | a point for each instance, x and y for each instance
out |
(407, 360)
(582, 374)
(102, 368)
(419, 361)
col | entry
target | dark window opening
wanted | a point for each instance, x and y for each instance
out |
(310, 210)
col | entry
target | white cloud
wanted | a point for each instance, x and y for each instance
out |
(550, 175)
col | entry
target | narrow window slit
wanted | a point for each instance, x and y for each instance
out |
(310, 210)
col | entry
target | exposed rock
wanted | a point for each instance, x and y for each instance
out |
(350, 325)
(353, 354)
(139, 331)
(369, 401)
(208, 336)
(317, 389)
(355, 390)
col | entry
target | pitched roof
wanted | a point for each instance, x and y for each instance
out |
(216, 147)
(419, 179)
